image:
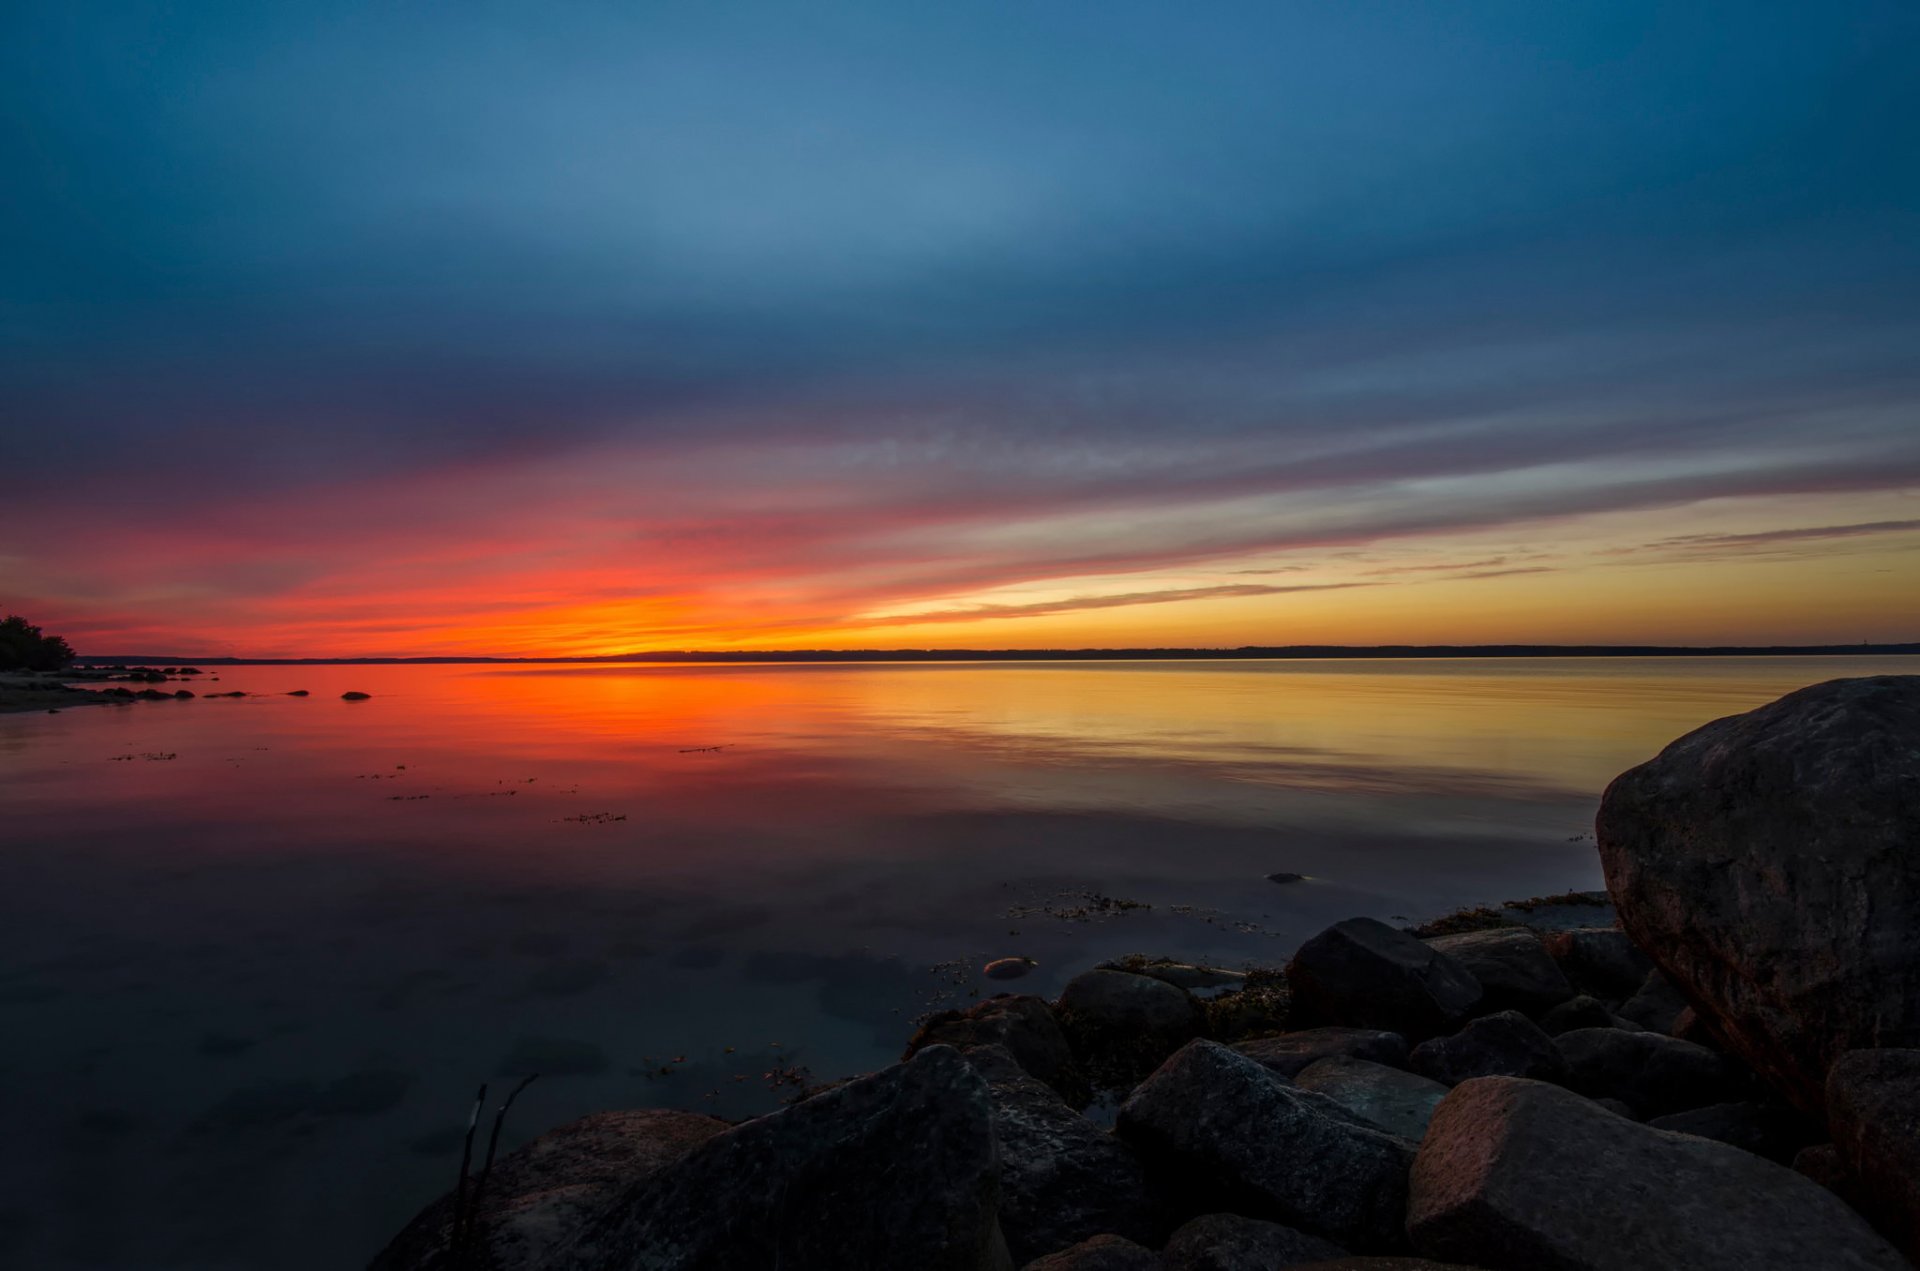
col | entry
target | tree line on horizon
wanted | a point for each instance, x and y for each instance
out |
(24, 647)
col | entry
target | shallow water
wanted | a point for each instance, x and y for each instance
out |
(256, 953)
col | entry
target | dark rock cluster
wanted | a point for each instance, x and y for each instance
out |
(1728, 1080)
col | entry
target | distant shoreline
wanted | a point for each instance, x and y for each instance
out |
(1296, 652)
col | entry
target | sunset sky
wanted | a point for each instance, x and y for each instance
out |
(416, 328)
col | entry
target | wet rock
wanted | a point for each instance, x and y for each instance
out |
(1656, 1006)
(298, 692)
(1008, 968)
(1282, 877)
(539, 1196)
(183, 694)
(1765, 1129)
(1122, 1025)
(1401, 1103)
(1519, 1175)
(1768, 859)
(1513, 967)
(1230, 1242)
(1579, 1012)
(1025, 1026)
(355, 696)
(1062, 1179)
(1289, 1053)
(1100, 1253)
(1873, 1107)
(1599, 961)
(1656, 1075)
(1231, 1130)
(1504, 1045)
(1363, 973)
(894, 1170)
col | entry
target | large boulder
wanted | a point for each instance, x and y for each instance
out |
(1401, 1103)
(1519, 1175)
(1024, 1025)
(1228, 1129)
(1290, 1053)
(1765, 1129)
(1230, 1242)
(1365, 974)
(1122, 1025)
(1873, 1106)
(1506, 1044)
(1600, 961)
(539, 1196)
(1654, 1074)
(1768, 860)
(1100, 1253)
(1514, 968)
(897, 1169)
(1062, 1179)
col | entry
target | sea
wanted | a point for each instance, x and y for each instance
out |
(257, 953)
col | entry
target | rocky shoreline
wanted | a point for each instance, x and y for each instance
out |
(1726, 1077)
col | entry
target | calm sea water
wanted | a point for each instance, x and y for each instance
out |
(258, 952)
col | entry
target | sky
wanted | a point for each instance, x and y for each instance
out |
(548, 329)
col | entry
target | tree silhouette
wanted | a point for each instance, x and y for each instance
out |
(24, 648)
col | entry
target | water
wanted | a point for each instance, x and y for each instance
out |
(255, 954)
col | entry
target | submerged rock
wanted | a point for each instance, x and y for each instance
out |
(1363, 973)
(1518, 1175)
(1768, 859)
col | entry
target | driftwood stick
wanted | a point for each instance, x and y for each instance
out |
(460, 1188)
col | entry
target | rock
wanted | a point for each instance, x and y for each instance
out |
(1579, 1012)
(1228, 1129)
(1522, 1175)
(298, 692)
(1229, 1242)
(539, 1196)
(1122, 1025)
(1062, 1179)
(1400, 1103)
(1504, 1045)
(1873, 1107)
(1821, 1163)
(183, 694)
(1283, 878)
(1657, 1005)
(1008, 968)
(1363, 973)
(1619, 1108)
(1100, 1253)
(355, 697)
(1768, 858)
(1765, 1129)
(1025, 1026)
(1380, 1264)
(1182, 975)
(894, 1170)
(1654, 1074)
(1513, 967)
(1600, 961)
(1289, 1053)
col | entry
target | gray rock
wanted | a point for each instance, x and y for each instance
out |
(1655, 1074)
(1062, 1179)
(540, 1196)
(1289, 1053)
(1618, 1108)
(1656, 1006)
(894, 1170)
(1182, 975)
(1520, 1175)
(1230, 1242)
(1765, 1129)
(1122, 1025)
(1100, 1253)
(1228, 1128)
(1024, 1025)
(1513, 967)
(1768, 860)
(1365, 974)
(1873, 1107)
(1504, 1045)
(1579, 1012)
(1600, 961)
(1400, 1103)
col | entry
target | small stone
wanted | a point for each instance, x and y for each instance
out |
(355, 696)
(1507, 1044)
(1008, 968)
